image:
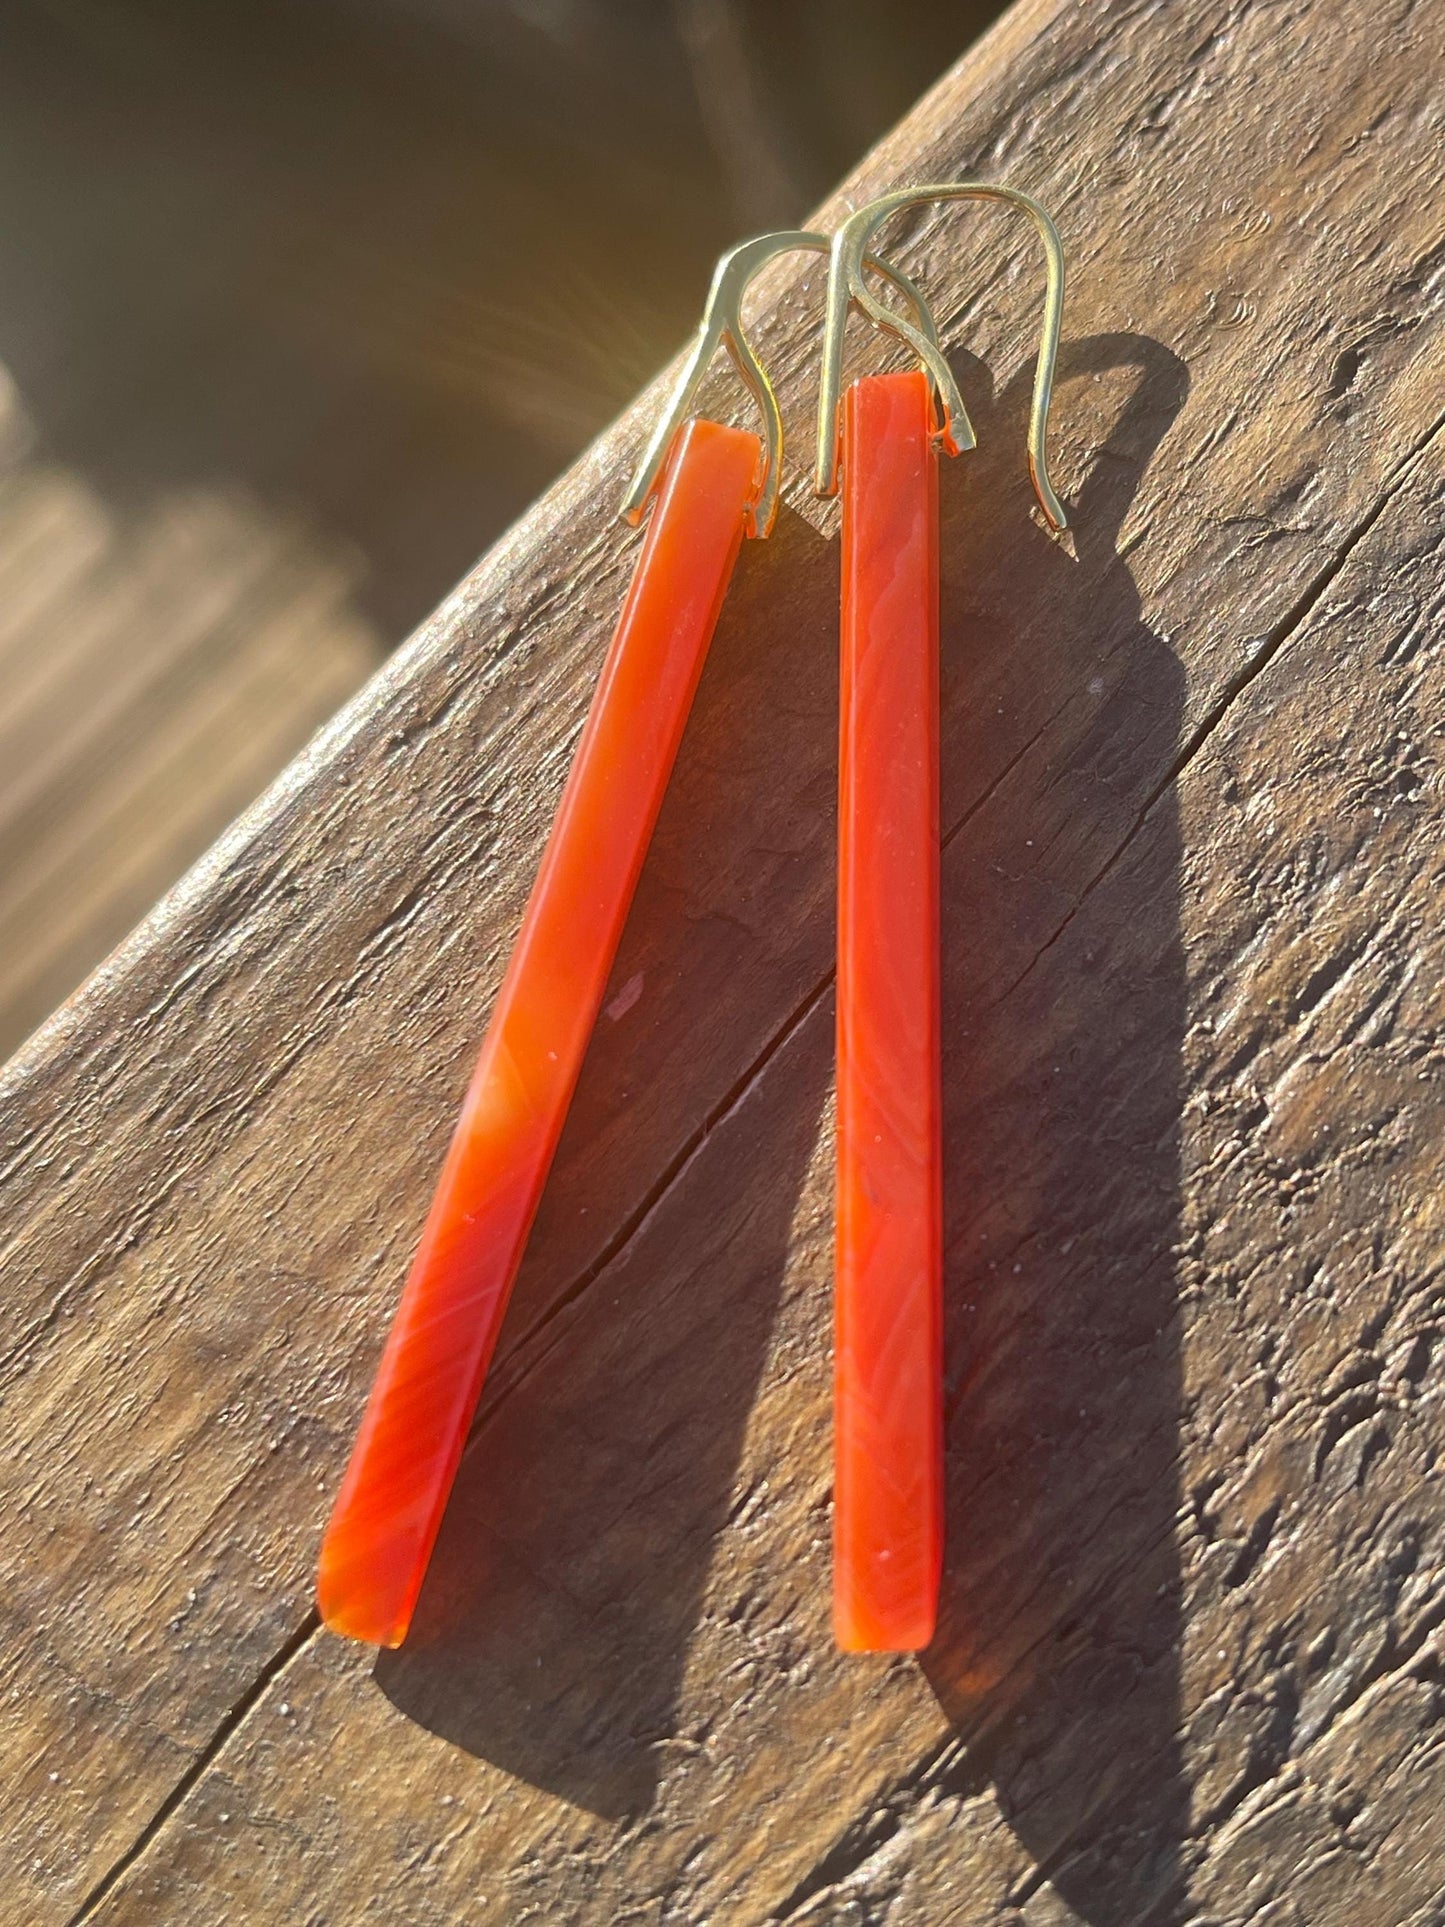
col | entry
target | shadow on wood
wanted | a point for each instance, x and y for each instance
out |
(1058, 1650)
(555, 1622)
(555, 1625)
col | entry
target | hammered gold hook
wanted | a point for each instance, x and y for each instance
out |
(847, 288)
(722, 326)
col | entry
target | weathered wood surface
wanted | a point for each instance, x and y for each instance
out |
(1190, 1666)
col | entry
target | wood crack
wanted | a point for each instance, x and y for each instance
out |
(1294, 619)
(234, 1719)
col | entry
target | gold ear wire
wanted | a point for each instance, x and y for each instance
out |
(847, 289)
(722, 326)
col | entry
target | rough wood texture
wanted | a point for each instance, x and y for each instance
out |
(1190, 1663)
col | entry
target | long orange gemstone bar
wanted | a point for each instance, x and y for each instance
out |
(416, 1421)
(888, 1500)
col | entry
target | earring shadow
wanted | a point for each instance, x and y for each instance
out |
(552, 1633)
(1057, 1655)
(553, 1628)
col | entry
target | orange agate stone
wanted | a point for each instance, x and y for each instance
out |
(416, 1421)
(887, 1517)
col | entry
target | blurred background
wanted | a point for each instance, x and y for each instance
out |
(301, 302)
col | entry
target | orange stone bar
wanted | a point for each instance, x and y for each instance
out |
(888, 1489)
(416, 1421)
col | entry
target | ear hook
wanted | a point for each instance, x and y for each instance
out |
(847, 288)
(722, 326)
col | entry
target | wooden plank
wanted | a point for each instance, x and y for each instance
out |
(1192, 793)
(157, 667)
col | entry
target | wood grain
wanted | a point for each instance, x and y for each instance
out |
(1189, 1665)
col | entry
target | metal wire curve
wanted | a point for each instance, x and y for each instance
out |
(848, 289)
(722, 326)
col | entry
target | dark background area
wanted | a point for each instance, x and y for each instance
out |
(302, 304)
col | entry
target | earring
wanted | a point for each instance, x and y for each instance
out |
(712, 484)
(888, 1355)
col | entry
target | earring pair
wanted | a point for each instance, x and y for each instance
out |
(709, 485)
